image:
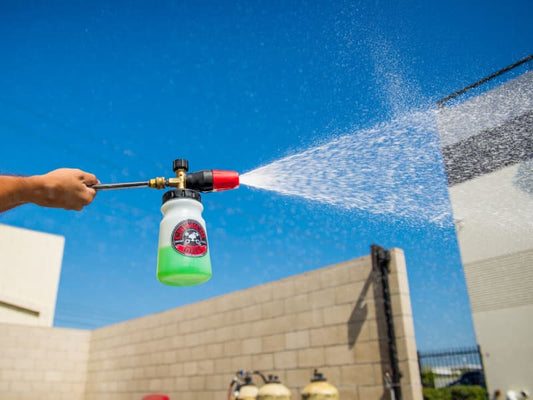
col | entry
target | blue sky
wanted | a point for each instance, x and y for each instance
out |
(121, 89)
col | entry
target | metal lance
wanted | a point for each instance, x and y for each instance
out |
(320, 389)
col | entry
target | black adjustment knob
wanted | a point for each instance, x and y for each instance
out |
(180, 163)
(318, 377)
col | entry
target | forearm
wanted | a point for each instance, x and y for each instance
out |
(18, 190)
(65, 188)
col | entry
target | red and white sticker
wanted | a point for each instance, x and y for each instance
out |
(189, 238)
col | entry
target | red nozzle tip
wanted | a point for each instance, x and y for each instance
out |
(225, 180)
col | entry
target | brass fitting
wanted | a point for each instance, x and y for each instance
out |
(161, 182)
(157, 183)
(180, 166)
(179, 181)
(173, 182)
(181, 178)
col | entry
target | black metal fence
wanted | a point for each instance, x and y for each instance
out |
(462, 366)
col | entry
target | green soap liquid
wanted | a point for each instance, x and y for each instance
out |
(175, 269)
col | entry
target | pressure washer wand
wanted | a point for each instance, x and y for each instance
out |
(203, 181)
(127, 185)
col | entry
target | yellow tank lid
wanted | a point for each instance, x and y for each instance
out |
(320, 389)
(273, 389)
(247, 392)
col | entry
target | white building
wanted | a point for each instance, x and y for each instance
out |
(487, 144)
(30, 265)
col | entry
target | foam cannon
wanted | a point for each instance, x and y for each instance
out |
(183, 255)
(211, 180)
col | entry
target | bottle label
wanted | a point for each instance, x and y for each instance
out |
(189, 238)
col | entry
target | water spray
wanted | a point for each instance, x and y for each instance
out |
(183, 255)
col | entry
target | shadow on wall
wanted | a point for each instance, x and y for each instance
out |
(359, 316)
(359, 313)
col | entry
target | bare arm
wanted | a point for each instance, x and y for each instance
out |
(62, 188)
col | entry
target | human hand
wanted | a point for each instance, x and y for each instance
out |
(64, 188)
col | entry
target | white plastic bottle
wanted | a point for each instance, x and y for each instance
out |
(183, 257)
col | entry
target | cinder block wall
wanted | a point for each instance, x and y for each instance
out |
(331, 319)
(43, 363)
(29, 279)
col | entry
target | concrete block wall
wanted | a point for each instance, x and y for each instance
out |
(30, 265)
(43, 363)
(331, 319)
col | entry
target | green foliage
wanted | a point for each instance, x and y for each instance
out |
(428, 378)
(467, 393)
(455, 393)
(436, 394)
